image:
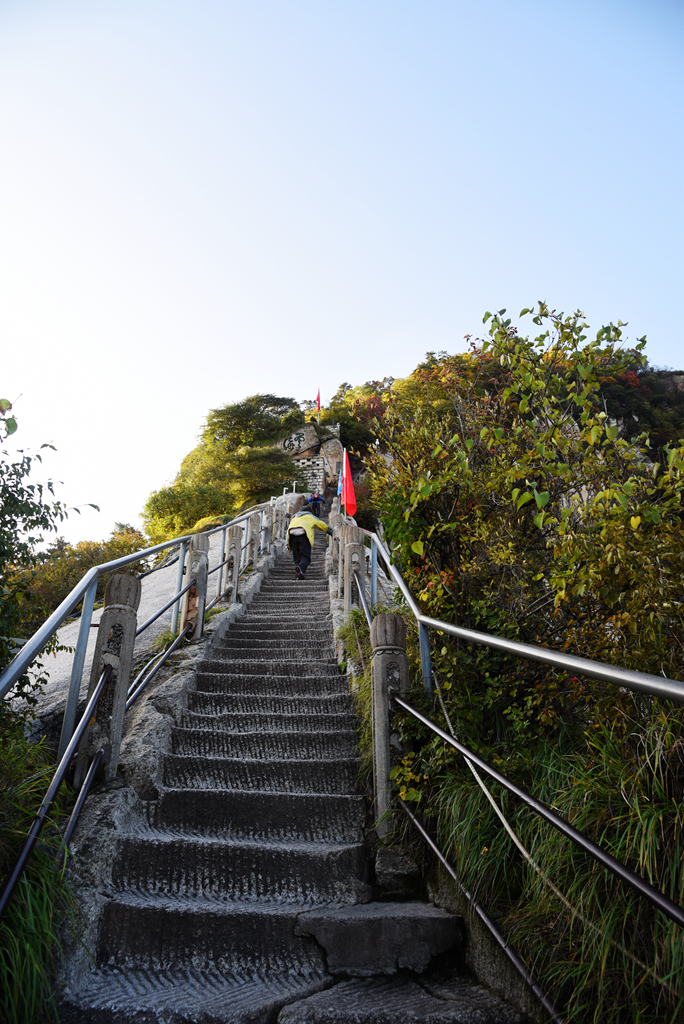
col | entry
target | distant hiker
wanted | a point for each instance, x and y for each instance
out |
(300, 538)
(315, 502)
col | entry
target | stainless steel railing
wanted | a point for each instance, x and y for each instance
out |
(86, 590)
(643, 682)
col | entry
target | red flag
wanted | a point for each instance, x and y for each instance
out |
(348, 496)
(318, 399)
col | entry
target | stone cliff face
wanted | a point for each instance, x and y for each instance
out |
(320, 462)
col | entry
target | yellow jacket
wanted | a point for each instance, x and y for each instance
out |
(307, 521)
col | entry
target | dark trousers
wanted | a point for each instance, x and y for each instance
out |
(301, 551)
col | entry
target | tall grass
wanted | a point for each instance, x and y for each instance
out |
(602, 952)
(28, 943)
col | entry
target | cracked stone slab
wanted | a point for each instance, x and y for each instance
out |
(381, 938)
(400, 1001)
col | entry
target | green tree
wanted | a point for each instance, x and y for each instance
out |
(234, 466)
(517, 506)
(28, 511)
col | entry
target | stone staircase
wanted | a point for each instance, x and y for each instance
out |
(247, 894)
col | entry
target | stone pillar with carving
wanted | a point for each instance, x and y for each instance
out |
(335, 521)
(195, 599)
(114, 646)
(354, 561)
(389, 673)
(266, 528)
(344, 527)
(253, 540)
(233, 568)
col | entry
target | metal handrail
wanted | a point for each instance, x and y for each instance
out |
(36, 643)
(656, 898)
(643, 682)
(362, 598)
(167, 654)
(489, 924)
(78, 807)
(15, 874)
(153, 618)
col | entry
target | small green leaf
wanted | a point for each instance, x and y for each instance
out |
(524, 311)
(484, 432)
(486, 317)
(5, 405)
(611, 433)
(539, 519)
(542, 498)
(10, 425)
(417, 546)
(524, 498)
(498, 433)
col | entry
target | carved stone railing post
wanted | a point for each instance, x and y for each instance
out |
(114, 646)
(233, 567)
(389, 672)
(335, 521)
(342, 540)
(195, 599)
(354, 561)
(267, 520)
(253, 540)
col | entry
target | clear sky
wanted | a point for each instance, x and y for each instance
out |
(202, 199)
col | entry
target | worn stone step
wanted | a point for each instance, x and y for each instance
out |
(303, 874)
(255, 722)
(161, 933)
(272, 650)
(249, 815)
(402, 1000)
(239, 703)
(111, 996)
(182, 771)
(301, 685)
(268, 630)
(254, 667)
(277, 746)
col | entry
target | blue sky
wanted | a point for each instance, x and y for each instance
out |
(201, 200)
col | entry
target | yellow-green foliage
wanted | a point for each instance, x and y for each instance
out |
(235, 465)
(59, 568)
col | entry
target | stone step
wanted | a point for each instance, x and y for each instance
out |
(162, 933)
(295, 630)
(234, 815)
(302, 874)
(176, 995)
(255, 722)
(302, 685)
(253, 667)
(272, 650)
(238, 703)
(278, 747)
(401, 1000)
(184, 772)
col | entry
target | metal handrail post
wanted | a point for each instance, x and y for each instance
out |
(69, 720)
(374, 573)
(425, 659)
(179, 584)
(219, 585)
(261, 532)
